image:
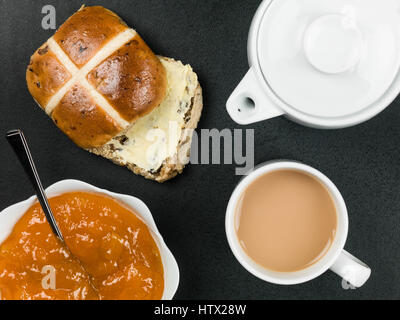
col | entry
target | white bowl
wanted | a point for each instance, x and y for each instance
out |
(10, 216)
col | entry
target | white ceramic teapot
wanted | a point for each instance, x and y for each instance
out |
(321, 63)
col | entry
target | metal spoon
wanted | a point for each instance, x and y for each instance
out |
(18, 143)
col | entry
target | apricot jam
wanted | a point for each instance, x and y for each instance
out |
(110, 253)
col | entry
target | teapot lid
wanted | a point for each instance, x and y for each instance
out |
(330, 59)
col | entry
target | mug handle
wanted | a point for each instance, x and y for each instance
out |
(249, 103)
(351, 269)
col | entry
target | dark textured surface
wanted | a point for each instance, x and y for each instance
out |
(211, 35)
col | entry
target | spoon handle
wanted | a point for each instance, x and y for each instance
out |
(18, 142)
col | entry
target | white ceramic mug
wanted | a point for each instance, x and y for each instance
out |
(10, 216)
(296, 68)
(337, 259)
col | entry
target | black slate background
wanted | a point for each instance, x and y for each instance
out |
(211, 35)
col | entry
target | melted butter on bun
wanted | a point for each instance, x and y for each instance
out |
(155, 137)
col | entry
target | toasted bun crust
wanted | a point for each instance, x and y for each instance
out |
(45, 75)
(95, 77)
(83, 120)
(140, 76)
(87, 31)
